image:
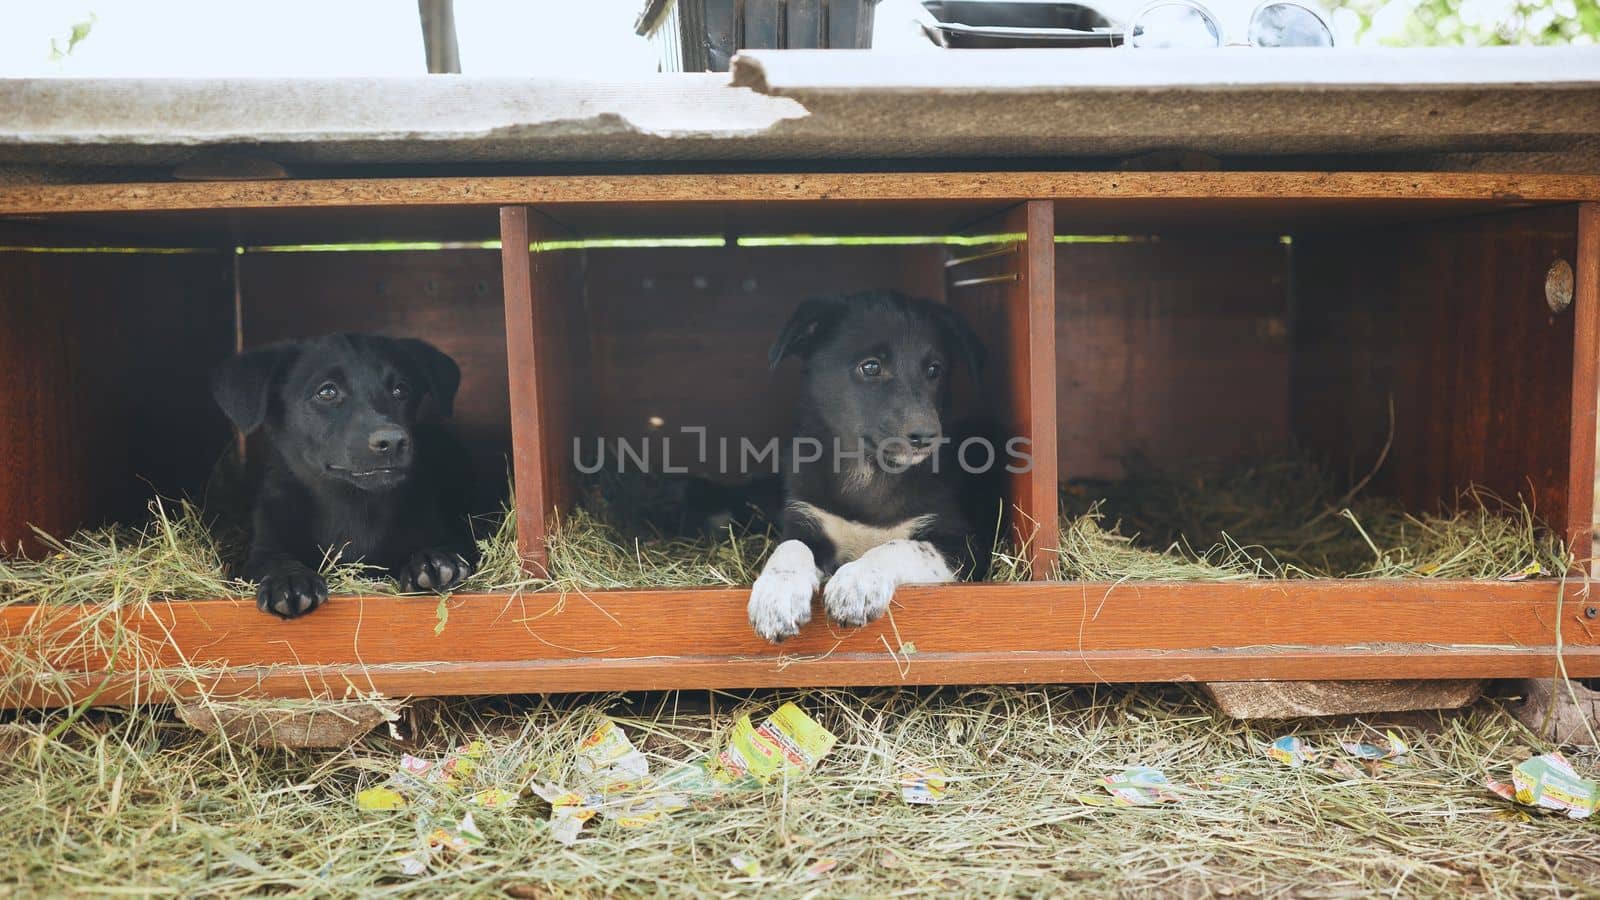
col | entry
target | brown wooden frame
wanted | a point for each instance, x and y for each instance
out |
(975, 633)
(671, 639)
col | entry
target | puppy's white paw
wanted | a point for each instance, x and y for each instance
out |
(858, 593)
(780, 600)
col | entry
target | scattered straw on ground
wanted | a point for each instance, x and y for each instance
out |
(139, 803)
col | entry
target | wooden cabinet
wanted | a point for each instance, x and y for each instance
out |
(1121, 311)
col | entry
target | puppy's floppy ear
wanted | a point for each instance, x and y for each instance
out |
(959, 336)
(242, 385)
(807, 328)
(437, 372)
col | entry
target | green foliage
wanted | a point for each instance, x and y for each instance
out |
(80, 31)
(1474, 23)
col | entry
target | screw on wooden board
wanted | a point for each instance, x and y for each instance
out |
(1558, 286)
(1591, 612)
(431, 288)
(481, 288)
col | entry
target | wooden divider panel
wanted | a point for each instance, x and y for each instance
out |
(546, 359)
(1585, 383)
(1007, 292)
(1450, 320)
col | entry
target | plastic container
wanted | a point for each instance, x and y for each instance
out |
(1017, 23)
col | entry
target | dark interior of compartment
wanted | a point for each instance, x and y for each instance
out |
(678, 338)
(451, 298)
(110, 326)
(103, 358)
(1186, 350)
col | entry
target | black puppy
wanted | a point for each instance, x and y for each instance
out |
(873, 493)
(347, 469)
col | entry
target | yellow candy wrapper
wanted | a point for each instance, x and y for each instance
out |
(1532, 570)
(1550, 782)
(568, 813)
(613, 779)
(608, 760)
(421, 782)
(493, 798)
(789, 742)
(923, 787)
(380, 798)
(457, 837)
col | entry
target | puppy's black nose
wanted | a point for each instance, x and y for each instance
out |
(388, 441)
(921, 440)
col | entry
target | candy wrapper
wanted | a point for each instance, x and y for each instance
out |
(423, 782)
(423, 785)
(613, 778)
(923, 787)
(608, 761)
(1550, 782)
(459, 838)
(1532, 570)
(569, 811)
(1291, 751)
(1379, 755)
(747, 865)
(1136, 786)
(788, 743)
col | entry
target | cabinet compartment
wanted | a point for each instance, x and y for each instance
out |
(110, 326)
(633, 344)
(1283, 332)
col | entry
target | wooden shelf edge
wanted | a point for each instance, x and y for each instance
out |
(847, 186)
(981, 633)
(441, 679)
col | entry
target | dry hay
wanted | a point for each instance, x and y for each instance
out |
(136, 801)
(1285, 519)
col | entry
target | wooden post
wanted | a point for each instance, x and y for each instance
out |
(527, 464)
(1007, 293)
(1585, 383)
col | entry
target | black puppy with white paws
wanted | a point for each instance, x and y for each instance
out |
(874, 496)
(348, 469)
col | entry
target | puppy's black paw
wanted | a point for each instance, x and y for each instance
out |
(438, 571)
(291, 594)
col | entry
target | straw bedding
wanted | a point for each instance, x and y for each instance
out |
(137, 802)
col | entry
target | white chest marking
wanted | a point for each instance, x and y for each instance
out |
(852, 539)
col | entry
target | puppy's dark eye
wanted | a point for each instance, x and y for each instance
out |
(328, 392)
(934, 370)
(400, 391)
(871, 368)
